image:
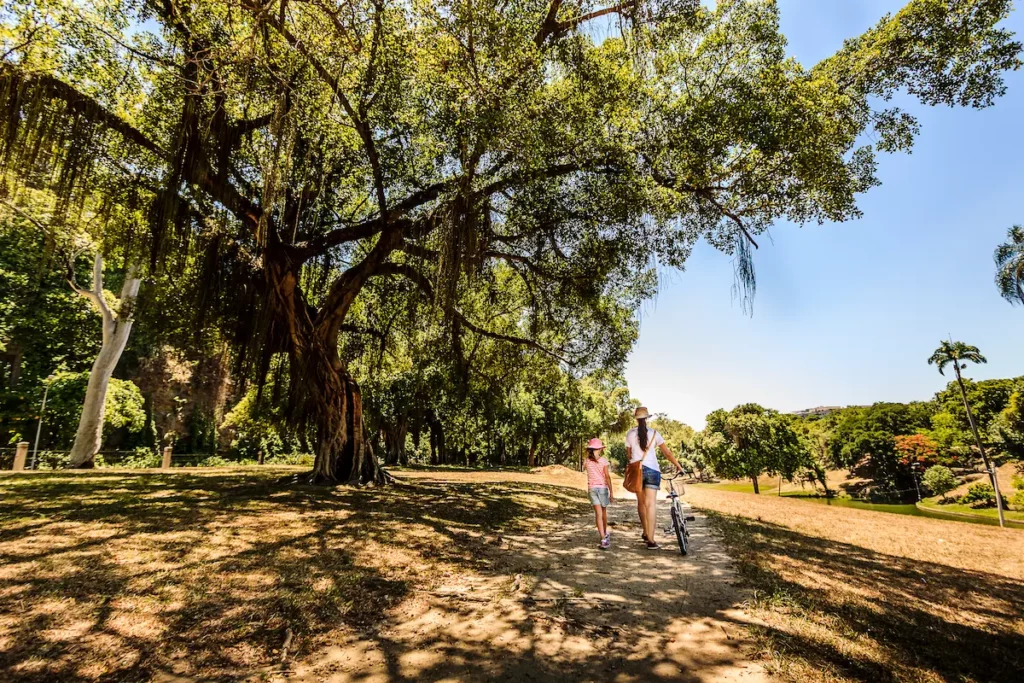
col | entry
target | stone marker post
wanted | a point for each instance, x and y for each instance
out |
(20, 455)
(166, 464)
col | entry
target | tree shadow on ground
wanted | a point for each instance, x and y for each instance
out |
(553, 607)
(118, 574)
(113, 576)
(861, 615)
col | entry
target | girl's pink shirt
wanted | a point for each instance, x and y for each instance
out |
(595, 473)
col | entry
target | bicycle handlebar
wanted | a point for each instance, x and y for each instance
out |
(670, 477)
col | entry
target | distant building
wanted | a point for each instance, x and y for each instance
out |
(820, 410)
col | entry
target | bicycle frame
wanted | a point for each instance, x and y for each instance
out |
(679, 519)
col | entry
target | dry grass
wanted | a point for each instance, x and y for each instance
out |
(128, 575)
(851, 595)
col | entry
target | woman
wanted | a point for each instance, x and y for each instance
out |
(642, 444)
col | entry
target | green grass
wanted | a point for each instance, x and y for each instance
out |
(934, 504)
(747, 487)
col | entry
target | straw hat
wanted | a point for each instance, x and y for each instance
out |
(595, 444)
(641, 413)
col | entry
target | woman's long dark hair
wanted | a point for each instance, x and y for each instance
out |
(592, 454)
(641, 432)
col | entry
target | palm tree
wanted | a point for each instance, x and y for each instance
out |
(956, 352)
(1009, 260)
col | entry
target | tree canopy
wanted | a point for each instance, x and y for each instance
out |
(491, 166)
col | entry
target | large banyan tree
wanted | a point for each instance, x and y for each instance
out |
(315, 146)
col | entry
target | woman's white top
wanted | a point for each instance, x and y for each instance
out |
(650, 457)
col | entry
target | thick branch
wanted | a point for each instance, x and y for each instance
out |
(85, 105)
(240, 128)
(568, 25)
(550, 24)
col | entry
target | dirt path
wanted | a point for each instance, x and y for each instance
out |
(556, 608)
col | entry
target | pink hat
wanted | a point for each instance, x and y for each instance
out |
(595, 444)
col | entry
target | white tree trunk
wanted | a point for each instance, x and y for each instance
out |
(116, 328)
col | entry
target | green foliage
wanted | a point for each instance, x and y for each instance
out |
(124, 409)
(217, 461)
(617, 455)
(504, 199)
(1008, 427)
(142, 458)
(979, 495)
(255, 426)
(987, 399)
(939, 480)
(754, 441)
(870, 432)
(953, 441)
(303, 459)
(1009, 258)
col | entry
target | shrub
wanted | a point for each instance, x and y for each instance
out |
(304, 459)
(980, 495)
(254, 428)
(1018, 500)
(216, 461)
(939, 480)
(142, 458)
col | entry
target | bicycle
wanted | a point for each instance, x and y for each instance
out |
(679, 520)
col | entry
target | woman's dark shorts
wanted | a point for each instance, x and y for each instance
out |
(651, 478)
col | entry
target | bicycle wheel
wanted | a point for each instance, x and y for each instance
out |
(679, 525)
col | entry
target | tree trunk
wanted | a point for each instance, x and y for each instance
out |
(394, 442)
(754, 479)
(330, 397)
(343, 451)
(116, 328)
(992, 473)
(531, 458)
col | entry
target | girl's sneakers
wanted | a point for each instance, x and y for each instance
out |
(651, 545)
(605, 543)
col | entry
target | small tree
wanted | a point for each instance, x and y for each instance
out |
(939, 480)
(117, 315)
(916, 448)
(955, 352)
(755, 441)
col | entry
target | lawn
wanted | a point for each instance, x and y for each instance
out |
(935, 504)
(852, 595)
(118, 575)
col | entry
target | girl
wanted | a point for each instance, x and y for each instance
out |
(641, 444)
(599, 485)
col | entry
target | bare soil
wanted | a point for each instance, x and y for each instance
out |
(855, 595)
(234, 574)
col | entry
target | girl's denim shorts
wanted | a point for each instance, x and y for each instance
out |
(599, 496)
(651, 478)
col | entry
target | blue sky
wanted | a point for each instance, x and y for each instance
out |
(848, 313)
